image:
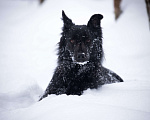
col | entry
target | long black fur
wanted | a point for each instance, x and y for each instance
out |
(71, 77)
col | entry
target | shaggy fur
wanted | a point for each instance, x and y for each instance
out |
(80, 56)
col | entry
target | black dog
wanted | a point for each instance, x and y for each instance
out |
(80, 56)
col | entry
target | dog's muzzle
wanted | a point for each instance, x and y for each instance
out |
(81, 58)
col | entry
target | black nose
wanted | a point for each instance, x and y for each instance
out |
(81, 56)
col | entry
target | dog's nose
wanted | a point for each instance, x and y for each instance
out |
(81, 55)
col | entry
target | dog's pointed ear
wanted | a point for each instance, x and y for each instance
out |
(95, 21)
(67, 22)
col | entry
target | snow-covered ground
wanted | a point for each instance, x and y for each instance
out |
(28, 37)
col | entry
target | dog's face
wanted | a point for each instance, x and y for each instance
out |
(79, 40)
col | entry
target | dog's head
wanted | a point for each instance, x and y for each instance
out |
(81, 43)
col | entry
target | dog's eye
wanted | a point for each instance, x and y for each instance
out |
(72, 41)
(88, 40)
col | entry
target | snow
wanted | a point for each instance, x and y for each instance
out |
(82, 63)
(28, 37)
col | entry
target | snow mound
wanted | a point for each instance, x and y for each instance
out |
(20, 99)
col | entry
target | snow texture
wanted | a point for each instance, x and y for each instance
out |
(28, 37)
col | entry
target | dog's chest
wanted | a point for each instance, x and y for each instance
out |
(80, 73)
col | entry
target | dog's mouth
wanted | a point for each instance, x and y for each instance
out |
(81, 58)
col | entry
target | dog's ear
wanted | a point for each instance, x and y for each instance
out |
(95, 21)
(67, 22)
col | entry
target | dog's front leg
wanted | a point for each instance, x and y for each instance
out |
(110, 76)
(56, 85)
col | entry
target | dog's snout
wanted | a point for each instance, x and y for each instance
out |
(81, 55)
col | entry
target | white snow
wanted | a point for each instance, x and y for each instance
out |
(28, 37)
(82, 63)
